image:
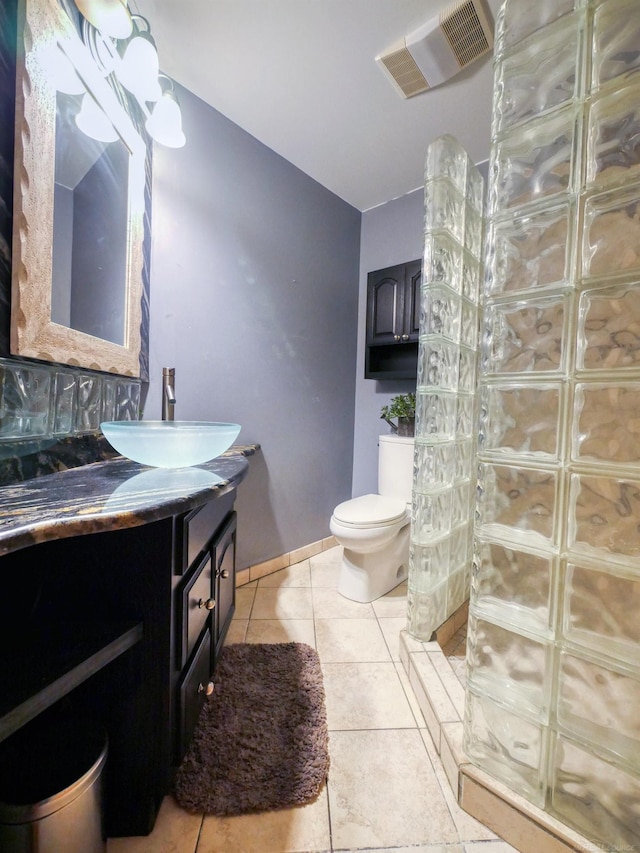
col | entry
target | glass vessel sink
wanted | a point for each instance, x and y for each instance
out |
(170, 444)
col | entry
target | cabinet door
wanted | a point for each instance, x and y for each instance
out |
(412, 282)
(385, 302)
(224, 551)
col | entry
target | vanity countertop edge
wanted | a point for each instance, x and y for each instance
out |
(110, 495)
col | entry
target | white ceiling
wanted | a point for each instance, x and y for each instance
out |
(301, 76)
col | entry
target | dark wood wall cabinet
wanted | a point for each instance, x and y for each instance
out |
(393, 322)
(122, 618)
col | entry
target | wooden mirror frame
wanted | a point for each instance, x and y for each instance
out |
(41, 25)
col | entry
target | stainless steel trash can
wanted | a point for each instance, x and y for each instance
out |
(51, 786)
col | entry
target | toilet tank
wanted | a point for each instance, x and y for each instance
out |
(395, 467)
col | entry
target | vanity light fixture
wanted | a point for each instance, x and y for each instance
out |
(133, 59)
(139, 69)
(94, 122)
(165, 122)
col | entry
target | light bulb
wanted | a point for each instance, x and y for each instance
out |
(165, 122)
(139, 68)
(93, 121)
(111, 17)
(60, 71)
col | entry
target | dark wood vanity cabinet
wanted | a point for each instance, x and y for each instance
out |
(204, 603)
(393, 321)
(125, 625)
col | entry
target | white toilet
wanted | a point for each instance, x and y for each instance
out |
(374, 529)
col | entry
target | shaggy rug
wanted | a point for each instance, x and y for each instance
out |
(261, 742)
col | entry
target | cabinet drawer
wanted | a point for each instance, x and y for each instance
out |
(195, 529)
(196, 601)
(192, 692)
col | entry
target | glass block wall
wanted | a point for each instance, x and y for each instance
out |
(553, 654)
(444, 460)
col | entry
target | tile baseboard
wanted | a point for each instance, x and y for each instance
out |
(283, 561)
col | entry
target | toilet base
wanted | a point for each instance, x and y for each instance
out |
(366, 577)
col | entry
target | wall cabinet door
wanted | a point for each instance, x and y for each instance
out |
(393, 322)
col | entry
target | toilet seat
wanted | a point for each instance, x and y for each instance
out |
(370, 511)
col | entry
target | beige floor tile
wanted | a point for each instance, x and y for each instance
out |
(383, 791)
(325, 574)
(244, 601)
(350, 640)
(365, 696)
(281, 631)
(329, 604)
(175, 831)
(394, 603)
(237, 631)
(300, 830)
(297, 575)
(391, 628)
(327, 557)
(287, 603)
(420, 848)
(469, 829)
(411, 696)
(490, 847)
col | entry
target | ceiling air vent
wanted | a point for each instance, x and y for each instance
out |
(439, 49)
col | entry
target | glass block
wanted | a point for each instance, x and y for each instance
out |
(540, 75)
(470, 277)
(468, 370)
(434, 466)
(64, 403)
(431, 514)
(521, 420)
(525, 336)
(128, 400)
(462, 500)
(473, 232)
(613, 147)
(530, 251)
(438, 365)
(429, 564)
(611, 715)
(508, 580)
(463, 460)
(468, 323)
(457, 590)
(465, 424)
(461, 546)
(507, 745)
(600, 609)
(475, 189)
(443, 208)
(616, 36)
(519, 18)
(603, 515)
(510, 666)
(608, 335)
(442, 261)
(440, 313)
(611, 238)
(595, 796)
(517, 503)
(109, 393)
(446, 158)
(426, 611)
(606, 423)
(26, 401)
(89, 403)
(435, 414)
(536, 162)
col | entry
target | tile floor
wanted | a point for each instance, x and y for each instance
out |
(387, 790)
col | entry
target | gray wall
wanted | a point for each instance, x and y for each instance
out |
(390, 234)
(254, 301)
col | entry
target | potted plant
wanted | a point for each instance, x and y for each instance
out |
(402, 407)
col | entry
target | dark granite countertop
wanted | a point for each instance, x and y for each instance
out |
(109, 495)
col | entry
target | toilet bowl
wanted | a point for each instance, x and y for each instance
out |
(374, 529)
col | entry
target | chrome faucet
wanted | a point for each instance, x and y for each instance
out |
(168, 392)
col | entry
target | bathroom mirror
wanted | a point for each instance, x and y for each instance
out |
(78, 206)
